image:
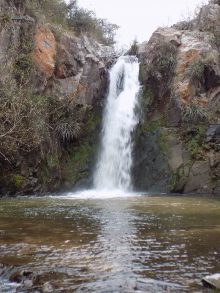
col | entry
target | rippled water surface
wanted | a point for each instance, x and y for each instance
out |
(127, 244)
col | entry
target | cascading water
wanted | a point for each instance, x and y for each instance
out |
(114, 164)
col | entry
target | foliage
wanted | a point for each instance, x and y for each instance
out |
(195, 70)
(164, 58)
(72, 17)
(76, 157)
(159, 67)
(4, 18)
(85, 21)
(162, 140)
(193, 147)
(194, 138)
(17, 180)
(54, 11)
(23, 65)
(176, 176)
(68, 131)
(194, 112)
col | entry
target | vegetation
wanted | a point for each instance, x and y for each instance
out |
(17, 180)
(164, 59)
(4, 18)
(195, 70)
(72, 17)
(194, 112)
(194, 139)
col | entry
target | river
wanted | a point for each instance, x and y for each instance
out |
(128, 243)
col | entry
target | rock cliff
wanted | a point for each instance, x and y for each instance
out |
(178, 139)
(52, 88)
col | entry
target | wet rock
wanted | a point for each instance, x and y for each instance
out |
(22, 277)
(174, 152)
(199, 178)
(151, 170)
(28, 284)
(213, 132)
(212, 281)
(47, 288)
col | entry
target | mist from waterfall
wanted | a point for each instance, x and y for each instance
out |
(113, 170)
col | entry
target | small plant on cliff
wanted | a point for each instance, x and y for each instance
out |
(17, 180)
(68, 131)
(22, 67)
(194, 112)
(160, 66)
(4, 18)
(195, 70)
(165, 57)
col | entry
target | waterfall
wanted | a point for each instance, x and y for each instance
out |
(115, 160)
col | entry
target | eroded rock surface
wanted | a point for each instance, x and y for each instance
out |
(178, 137)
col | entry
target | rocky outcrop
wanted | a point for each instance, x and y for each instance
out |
(61, 80)
(177, 141)
(44, 50)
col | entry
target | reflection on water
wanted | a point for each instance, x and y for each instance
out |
(134, 244)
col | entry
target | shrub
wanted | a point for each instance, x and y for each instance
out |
(194, 112)
(85, 21)
(17, 180)
(67, 131)
(70, 16)
(4, 18)
(195, 70)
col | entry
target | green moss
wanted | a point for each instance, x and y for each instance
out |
(193, 147)
(162, 140)
(22, 67)
(153, 124)
(17, 180)
(52, 160)
(75, 161)
(45, 175)
(194, 139)
(147, 99)
(176, 176)
(141, 71)
(91, 121)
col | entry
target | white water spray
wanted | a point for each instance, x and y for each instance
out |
(114, 164)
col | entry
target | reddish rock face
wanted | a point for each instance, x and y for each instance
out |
(45, 50)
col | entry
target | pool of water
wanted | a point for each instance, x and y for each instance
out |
(116, 244)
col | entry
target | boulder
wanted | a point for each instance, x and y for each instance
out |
(199, 178)
(213, 132)
(212, 281)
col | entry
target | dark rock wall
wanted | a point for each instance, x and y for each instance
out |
(177, 140)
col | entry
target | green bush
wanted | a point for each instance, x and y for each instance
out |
(4, 18)
(70, 16)
(194, 112)
(17, 180)
(85, 21)
(67, 131)
(195, 70)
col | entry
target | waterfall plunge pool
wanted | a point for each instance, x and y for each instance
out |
(108, 244)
